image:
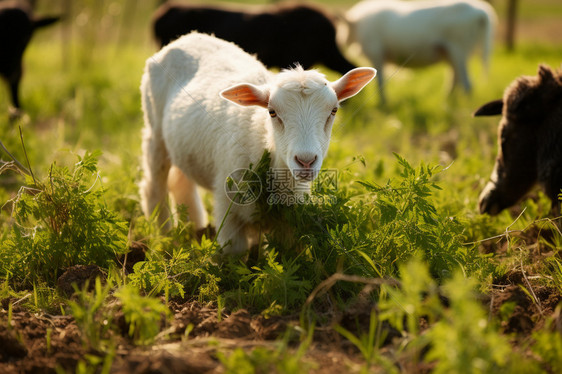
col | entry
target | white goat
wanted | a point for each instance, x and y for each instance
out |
(420, 33)
(204, 138)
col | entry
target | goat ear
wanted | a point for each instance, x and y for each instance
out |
(246, 94)
(45, 21)
(545, 73)
(493, 108)
(352, 82)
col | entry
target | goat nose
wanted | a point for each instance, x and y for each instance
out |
(306, 161)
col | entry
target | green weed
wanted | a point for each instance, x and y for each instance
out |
(369, 344)
(459, 337)
(60, 222)
(548, 344)
(176, 270)
(463, 340)
(92, 317)
(282, 359)
(143, 314)
(272, 287)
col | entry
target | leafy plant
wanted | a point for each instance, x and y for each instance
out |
(369, 344)
(463, 340)
(143, 314)
(282, 359)
(407, 222)
(172, 271)
(91, 315)
(272, 287)
(555, 267)
(417, 297)
(459, 338)
(548, 344)
(368, 232)
(60, 222)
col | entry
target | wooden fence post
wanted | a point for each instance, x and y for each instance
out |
(511, 21)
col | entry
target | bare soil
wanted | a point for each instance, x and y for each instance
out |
(25, 348)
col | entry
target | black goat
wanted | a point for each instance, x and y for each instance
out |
(280, 36)
(17, 25)
(529, 139)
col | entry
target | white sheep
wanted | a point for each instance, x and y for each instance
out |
(420, 33)
(191, 129)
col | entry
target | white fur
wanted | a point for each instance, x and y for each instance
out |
(203, 138)
(420, 33)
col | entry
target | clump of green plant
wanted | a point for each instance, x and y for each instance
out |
(177, 264)
(459, 338)
(464, 340)
(90, 313)
(282, 359)
(271, 287)
(143, 314)
(369, 344)
(59, 222)
(555, 267)
(417, 296)
(406, 222)
(548, 343)
(367, 230)
(187, 269)
(95, 311)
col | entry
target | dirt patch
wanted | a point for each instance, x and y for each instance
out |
(522, 303)
(38, 343)
(519, 299)
(523, 310)
(41, 343)
(79, 276)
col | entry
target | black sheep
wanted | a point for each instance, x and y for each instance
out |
(17, 26)
(530, 141)
(280, 36)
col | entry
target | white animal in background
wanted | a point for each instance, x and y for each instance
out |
(420, 33)
(210, 109)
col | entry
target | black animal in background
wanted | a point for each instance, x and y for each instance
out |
(280, 35)
(17, 25)
(530, 141)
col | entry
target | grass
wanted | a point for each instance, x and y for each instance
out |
(409, 176)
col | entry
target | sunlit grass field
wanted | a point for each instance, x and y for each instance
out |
(409, 176)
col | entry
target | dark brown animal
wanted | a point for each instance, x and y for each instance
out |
(530, 141)
(17, 26)
(280, 36)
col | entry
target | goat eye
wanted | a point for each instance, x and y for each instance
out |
(272, 113)
(334, 111)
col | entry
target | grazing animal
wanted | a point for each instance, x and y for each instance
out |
(280, 36)
(17, 25)
(529, 139)
(421, 33)
(211, 109)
